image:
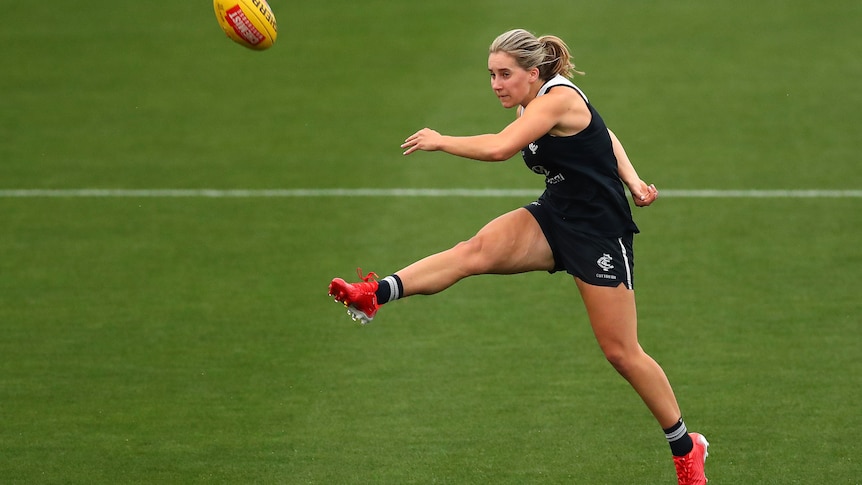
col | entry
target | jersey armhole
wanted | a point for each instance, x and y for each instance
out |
(577, 90)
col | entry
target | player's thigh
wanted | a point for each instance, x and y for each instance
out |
(613, 316)
(514, 243)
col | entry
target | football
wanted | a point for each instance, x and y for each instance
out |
(250, 23)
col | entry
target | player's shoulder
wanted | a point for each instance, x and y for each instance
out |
(560, 99)
(562, 86)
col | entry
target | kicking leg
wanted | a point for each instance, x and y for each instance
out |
(511, 243)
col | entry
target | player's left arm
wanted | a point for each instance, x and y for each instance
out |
(642, 194)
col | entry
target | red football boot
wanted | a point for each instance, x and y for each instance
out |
(689, 468)
(359, 298)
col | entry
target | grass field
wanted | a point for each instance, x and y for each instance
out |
(190, 339)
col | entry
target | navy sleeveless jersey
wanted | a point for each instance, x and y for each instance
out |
(582, 184)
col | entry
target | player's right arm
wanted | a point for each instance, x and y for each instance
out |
(541, 115)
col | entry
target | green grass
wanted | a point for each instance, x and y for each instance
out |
(189, 340)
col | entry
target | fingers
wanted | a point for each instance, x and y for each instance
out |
(411, 146)
(413, 142)
(648, 198)
(652, 193)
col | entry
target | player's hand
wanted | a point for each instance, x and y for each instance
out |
(643, 194)
(425, 139)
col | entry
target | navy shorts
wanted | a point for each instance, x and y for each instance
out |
(596, 260)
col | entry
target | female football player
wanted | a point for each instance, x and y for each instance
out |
(582, 223)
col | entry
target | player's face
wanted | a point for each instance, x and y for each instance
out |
(511, 83)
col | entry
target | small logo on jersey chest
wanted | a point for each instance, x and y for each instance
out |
(533, 148)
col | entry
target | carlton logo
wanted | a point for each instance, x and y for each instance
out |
(605, 262)
(243, 26)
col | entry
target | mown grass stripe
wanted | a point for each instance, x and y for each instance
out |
(398, 192)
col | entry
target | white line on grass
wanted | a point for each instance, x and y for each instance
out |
(397, 192)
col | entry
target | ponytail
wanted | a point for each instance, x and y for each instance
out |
(558, 60)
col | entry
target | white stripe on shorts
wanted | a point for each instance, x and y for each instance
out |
(626, 261)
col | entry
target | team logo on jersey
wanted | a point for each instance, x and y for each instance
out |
(555, 179)
(533, 148)
(540, 170)
(549, 179)
(605, 262)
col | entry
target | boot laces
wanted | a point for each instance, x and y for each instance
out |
(371, 276)
(684, 469)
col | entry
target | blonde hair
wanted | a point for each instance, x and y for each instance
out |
(548, 53)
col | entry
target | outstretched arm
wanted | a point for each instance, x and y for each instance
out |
(542, 115)
(642, 194)
(486, 148)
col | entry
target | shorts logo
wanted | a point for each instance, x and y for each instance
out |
(605, 262)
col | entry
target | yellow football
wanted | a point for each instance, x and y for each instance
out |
(250, 23)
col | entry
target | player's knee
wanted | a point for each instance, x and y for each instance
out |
(621, 359)
(473, 256)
